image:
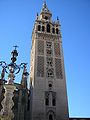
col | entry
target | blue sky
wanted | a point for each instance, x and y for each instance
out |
(16, 23)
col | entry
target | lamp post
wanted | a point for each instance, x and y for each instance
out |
(11, 69)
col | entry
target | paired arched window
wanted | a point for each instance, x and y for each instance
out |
(39, 28)
(48, 29)
(50, 73)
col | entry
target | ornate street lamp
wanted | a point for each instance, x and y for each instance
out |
(11, 69)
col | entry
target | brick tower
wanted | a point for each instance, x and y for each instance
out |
(47, 74)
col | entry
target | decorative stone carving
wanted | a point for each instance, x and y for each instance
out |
(7, 103)
(40, 66)
(59, 68)
(57, 49)
(40, 47)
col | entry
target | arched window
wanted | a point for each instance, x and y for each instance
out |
(39, 27)
(50, 117)
(47, 98)
(28, 106)
(47, 101)
(54, 102)
(48, 28)
(46, 17)
(57, 31)
(53, 30)
(43, 28)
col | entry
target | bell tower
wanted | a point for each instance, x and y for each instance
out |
(47, 74)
